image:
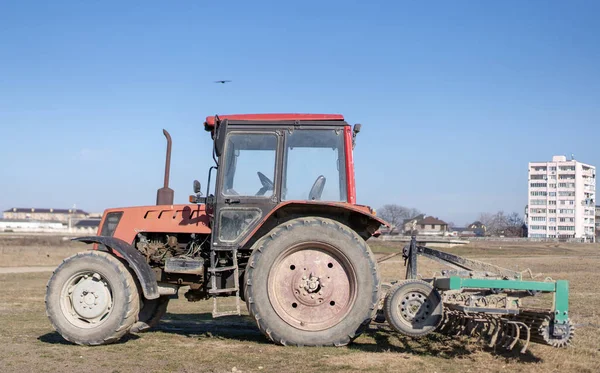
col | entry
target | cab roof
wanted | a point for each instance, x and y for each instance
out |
(210, 121)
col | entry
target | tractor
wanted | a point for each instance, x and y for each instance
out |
(281, 231)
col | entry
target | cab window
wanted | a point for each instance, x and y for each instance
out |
(250, 164)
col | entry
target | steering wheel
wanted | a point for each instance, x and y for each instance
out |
(267, 184)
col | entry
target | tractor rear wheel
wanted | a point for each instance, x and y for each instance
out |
(312, 282)
(92, 299)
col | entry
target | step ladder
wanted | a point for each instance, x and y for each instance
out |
(215, 291)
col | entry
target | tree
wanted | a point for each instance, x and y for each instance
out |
(501, 224)
(396, 214)
(514, 225)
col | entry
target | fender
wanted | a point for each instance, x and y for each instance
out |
(134, 258)
(368, 227)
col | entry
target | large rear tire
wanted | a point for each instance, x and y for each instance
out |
(312, 282)
(92, 299)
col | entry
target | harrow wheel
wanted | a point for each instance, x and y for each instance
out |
(413, 308)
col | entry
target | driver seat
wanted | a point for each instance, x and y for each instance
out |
(317, 189)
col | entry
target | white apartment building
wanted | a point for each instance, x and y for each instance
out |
(561, 202)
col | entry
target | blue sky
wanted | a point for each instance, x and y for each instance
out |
(454, 97)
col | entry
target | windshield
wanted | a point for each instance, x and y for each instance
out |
(314, 167)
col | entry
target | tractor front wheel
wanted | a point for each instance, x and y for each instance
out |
(312, 282)
(150, 314)
(92, 299)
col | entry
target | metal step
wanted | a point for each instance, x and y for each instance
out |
(220, 291)
(225, 313)
(215, 291)
(222, 269)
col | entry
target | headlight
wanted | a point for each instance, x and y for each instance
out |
(110, 223)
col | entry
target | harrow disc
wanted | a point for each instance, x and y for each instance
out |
(543, 332)
(413, 308)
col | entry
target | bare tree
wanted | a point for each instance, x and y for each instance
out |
(501, 224)
(514, 225)
(396, 214)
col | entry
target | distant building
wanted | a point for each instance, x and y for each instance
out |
(426, 226)
(43, 214)
(26, 225)
(561, 199)
(87, 226)
(475, 229)
(597, 223)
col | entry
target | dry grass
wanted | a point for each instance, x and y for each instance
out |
(18, 251)
(189, 340)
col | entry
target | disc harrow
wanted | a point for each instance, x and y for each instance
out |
(480, 300)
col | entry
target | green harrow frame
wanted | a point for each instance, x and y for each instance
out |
(476, 298)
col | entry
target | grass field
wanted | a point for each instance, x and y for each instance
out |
(188, 340)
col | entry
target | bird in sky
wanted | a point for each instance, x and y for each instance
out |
(222, 81)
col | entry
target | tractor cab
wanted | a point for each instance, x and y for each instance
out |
(264, 161)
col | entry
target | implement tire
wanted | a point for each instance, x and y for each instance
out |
(413, 308)
(92, 299)
(312, 282)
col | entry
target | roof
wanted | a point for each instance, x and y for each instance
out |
(210, 120)
(46, 211)
(93, 223)
(431, 220)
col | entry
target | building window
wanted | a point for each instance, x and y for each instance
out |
(567, 168)
(538, 185)
(552, 185)
(538, 202)
(538, 193)
(538, 177)
(563, 193)
(552, 202)
(552, 220)
(538, 218)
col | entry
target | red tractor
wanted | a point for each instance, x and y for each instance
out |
(281, 230)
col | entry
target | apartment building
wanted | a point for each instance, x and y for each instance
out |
(561, 199)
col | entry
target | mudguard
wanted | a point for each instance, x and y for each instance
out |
(134, 258)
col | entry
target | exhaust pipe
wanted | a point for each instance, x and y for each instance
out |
(165, 195)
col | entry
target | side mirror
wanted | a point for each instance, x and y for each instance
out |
(197, 187)
(356, 129)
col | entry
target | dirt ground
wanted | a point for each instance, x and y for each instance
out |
(188, 340)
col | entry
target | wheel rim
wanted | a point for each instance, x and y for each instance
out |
(86, 299)
(415, 308)
(312, 286)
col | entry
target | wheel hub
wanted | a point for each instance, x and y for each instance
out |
(415, 307)
(310, 288)
(90, 298)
